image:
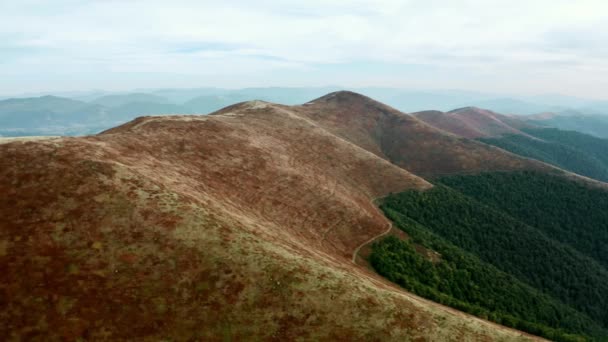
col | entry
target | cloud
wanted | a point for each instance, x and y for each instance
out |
(481, 38)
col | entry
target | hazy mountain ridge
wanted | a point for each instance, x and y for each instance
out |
(596, 125)
(574, 151)
(472, 122)
(123, 107)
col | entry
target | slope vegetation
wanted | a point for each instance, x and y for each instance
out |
(596, 125)
(405, 140)
(573, 151)
(533, 230)
(235, 226)
(471, 122)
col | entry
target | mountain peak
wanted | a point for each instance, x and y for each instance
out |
(468, 109)
(342, 96)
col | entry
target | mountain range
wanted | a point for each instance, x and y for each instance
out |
(102, 110)
(571, 150)
(329, 220)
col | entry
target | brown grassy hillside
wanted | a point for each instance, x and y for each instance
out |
(471, 122)
(404, 139)
(234, 226)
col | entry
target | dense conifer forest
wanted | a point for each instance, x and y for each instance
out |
(524, 249)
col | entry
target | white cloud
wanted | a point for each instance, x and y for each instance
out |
(557, 39)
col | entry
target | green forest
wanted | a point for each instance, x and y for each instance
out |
(573, 151)
(524, 249)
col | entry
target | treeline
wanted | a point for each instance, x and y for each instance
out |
(507, 230)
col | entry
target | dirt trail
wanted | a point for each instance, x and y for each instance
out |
(356, 251)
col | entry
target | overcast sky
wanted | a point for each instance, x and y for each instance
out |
(510, 46)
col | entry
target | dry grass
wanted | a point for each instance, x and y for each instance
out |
(237, 226)
(473, 122)
(405, 140)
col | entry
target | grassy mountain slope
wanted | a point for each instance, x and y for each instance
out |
(573, 151)
(471, 122)
(405, 140)
(233, 226)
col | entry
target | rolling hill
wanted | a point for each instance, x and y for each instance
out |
(472, 122)
(237, 225)
(52, 115)
(406, 140)
(596, 125)
(573, 151)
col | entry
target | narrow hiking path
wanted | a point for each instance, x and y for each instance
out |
(356, 252)
(390, 227)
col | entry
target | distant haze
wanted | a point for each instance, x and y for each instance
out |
(504, 46)
(81, 113)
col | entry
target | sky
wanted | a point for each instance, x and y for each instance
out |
(515, 46)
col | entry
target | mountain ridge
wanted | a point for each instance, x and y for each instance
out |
(252, 212)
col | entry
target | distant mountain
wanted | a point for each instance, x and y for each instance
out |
(404, 139)
(558, 100)
(596, 125)
(570, 150)
(134, 109)
(287, 96)
(415, 101)
(472, 122)
(180, 96)
(283, 95)
(50, 115)
(405, 100)
(121, 100)
(596, 107)
(210, 103)
(122, 107)
(290, 96)
(513, 106)
(573, 151)
(58, 104)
